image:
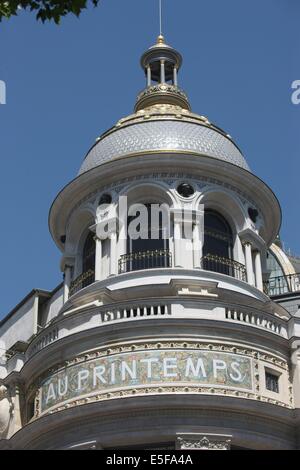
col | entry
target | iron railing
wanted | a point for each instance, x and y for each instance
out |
(222, 265)
(145, 260)
(282, 284)
(85, 279)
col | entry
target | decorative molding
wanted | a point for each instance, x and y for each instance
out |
(196, 291)
(203, 442)
(248, 236)
(170, 179)
(154, 390)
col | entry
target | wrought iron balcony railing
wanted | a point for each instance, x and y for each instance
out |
(282, 284)
(85, 279)
(222, 265)
(145, 260)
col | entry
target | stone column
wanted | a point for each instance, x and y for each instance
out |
(67, 282)
(196, 245)
(113, 253)
(177, 239)
(36, 314)
(258, 271)
(122, 242)
(249, 264)
(198, 237)
(148, 76)
(162, 71)
(175, 76)
(17, 406)
(98, 258)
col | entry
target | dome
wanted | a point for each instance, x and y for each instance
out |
(163, 128)
(163, 120)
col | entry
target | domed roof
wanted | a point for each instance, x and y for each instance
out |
(163, 121)
(163, 128)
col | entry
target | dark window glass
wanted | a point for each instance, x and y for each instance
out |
(153, 236)
(217, 235)
(218, 244)
(88, 255)
(272, 382)
(151, 249)
(253, 214)
(185, 190)
(105, 199)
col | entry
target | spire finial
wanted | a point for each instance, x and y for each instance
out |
(160, 18)
(160, 39)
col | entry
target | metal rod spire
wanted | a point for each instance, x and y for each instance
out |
(160, 17)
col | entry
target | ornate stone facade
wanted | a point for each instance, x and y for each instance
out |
(173, 343)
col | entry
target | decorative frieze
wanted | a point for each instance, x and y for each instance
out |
(136, 369)
(170, 179)
(233, 360)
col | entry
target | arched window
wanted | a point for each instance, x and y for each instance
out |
(218, 238)
(277, 283)
(218, 244)
(88, 260)
(151, 248)
(153, 236)
(87, 275)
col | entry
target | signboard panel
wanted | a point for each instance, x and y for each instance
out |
(147, 368)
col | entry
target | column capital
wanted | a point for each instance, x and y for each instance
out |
(67, 261)
(250, 236)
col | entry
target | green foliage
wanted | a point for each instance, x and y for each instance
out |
(45, 9)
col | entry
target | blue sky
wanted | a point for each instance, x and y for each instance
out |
(67, 84)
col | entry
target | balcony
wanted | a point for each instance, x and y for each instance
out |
(282, 284)
(145, 260)
(85, 279)
(223, 265)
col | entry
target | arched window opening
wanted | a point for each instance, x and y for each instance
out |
(88, 260)
(218, 238)
(30, 409)
(218, 247)
(278, 282)
(147, 240)
(87, 275)
(88, 253)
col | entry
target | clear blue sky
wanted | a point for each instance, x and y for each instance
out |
(67, 84)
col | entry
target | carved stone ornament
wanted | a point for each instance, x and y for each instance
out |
(203, 442)
(5, 411)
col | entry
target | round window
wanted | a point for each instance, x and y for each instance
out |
(185, 190)
(105, 199)
(253, 214)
